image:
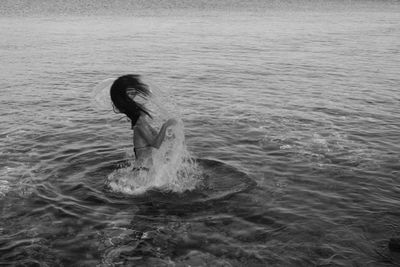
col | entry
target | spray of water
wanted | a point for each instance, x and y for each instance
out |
(172, 168)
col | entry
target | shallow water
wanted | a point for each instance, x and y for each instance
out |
(303, 102)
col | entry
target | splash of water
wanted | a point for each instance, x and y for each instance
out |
(172, 168)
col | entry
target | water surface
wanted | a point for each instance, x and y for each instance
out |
(302, 101)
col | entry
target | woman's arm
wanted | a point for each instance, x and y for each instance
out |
(146, 133)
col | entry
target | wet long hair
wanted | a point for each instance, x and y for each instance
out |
(123, 103)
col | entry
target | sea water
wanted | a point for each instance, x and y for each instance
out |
(300, 97)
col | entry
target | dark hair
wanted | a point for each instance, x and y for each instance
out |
(122, 102)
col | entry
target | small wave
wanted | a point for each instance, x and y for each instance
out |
(325, 146)
(4, 187)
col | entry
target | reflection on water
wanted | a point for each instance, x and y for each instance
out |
(292, 114)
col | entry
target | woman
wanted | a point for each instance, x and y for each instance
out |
(128, 95)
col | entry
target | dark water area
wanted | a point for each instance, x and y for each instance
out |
(293, 113)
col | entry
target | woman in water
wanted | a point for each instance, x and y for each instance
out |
(128, 95)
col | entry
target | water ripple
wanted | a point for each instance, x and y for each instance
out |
(298, 110)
